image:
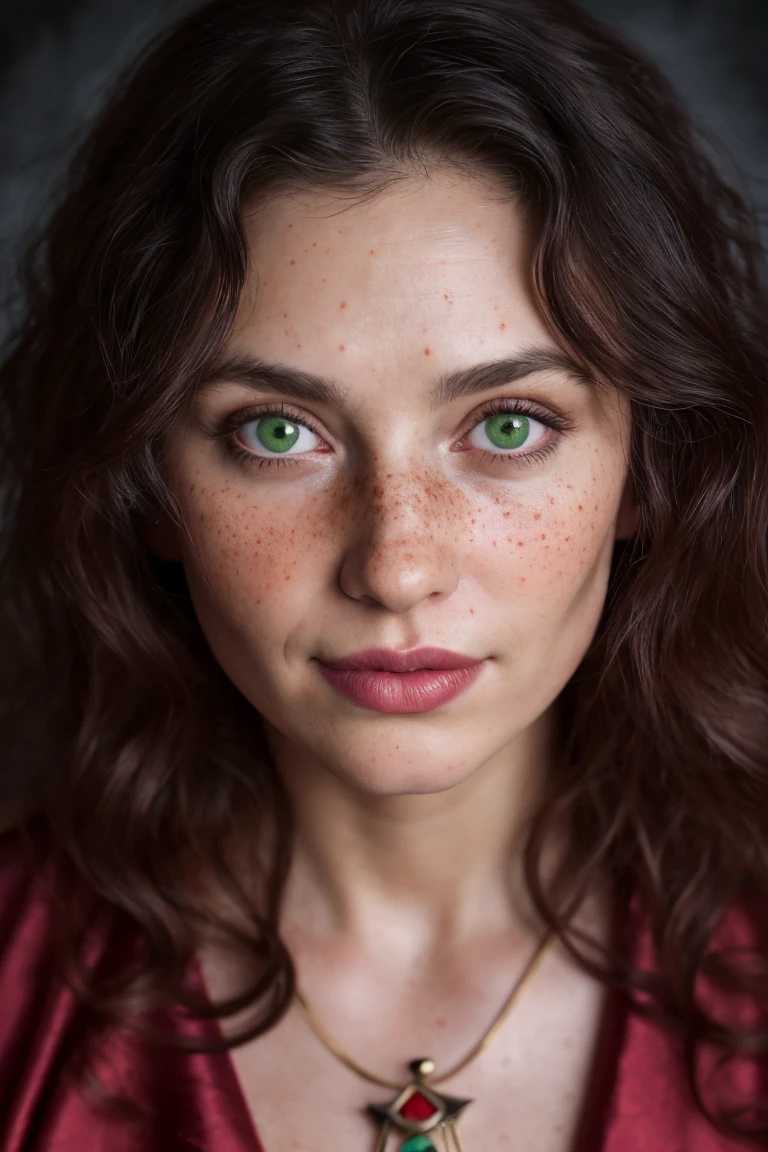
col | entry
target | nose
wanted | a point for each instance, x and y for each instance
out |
(398, 554)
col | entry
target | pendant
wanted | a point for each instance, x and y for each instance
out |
(418, 1110)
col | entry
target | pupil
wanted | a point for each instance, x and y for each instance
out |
(508, 430)
(277, 434)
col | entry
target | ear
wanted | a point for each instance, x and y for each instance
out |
(627, 519)
(162, 535)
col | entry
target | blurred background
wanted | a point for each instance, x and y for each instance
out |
(58, 56)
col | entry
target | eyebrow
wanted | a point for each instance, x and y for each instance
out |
(261, 375)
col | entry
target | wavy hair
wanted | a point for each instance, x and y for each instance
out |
(649, 269)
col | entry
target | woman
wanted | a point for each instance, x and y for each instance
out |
(384, 602)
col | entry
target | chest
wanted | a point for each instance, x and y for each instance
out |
(527, 1089)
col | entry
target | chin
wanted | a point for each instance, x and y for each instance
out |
(390, 773)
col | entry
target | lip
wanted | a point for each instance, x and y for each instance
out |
(397, 681)
(401, 660)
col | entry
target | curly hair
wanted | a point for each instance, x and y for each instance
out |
(647, 265)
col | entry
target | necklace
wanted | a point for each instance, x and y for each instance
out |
(418, 1109)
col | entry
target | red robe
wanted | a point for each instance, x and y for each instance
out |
(638, 1100)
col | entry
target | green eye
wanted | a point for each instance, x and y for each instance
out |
(507, 429)
(276, 433)
(503, 433)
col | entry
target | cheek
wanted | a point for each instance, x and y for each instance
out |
(248, 557)
(547, 547)
(253, 556)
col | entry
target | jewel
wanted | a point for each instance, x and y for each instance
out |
(418, 1144)
(417, 1107)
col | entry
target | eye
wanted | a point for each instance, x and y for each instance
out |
(507, 431)
(514, 432)
(275, 434)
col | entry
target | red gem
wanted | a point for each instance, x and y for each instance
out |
(417, 1107)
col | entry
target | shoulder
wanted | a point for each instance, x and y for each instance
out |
(41, 895)
(38, 881)
(34, 880)
(652, 1062)
(36, 885)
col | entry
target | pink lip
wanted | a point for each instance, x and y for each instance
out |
(394, 680)
(402, 659)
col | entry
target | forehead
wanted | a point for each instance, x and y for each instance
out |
(416, 297)
(433, 255)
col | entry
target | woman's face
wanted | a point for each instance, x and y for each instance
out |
(391, 508)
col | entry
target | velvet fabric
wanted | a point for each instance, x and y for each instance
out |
(638, 1100)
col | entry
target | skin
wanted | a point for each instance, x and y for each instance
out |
(393, 529)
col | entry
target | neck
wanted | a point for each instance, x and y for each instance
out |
(435, 865)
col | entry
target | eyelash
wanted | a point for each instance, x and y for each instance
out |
(226, 428)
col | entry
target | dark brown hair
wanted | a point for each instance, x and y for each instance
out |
(649, 269)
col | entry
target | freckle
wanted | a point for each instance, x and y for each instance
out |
(567, 539)
(372, 252)
(327, 250)
(293, 261)
(445, 295)
(343, 304)
(314, 243)
(427, 352)
(580, 507)
(502, 326)
(341, 347)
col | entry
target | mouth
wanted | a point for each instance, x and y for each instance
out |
(402, 660)
(396, 681)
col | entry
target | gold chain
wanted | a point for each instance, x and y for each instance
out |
(333, 1045)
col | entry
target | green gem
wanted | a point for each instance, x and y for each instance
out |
(418, 1144)
(508, 430)
(277, 433)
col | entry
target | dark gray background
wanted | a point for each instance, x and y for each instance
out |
(56, 56)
